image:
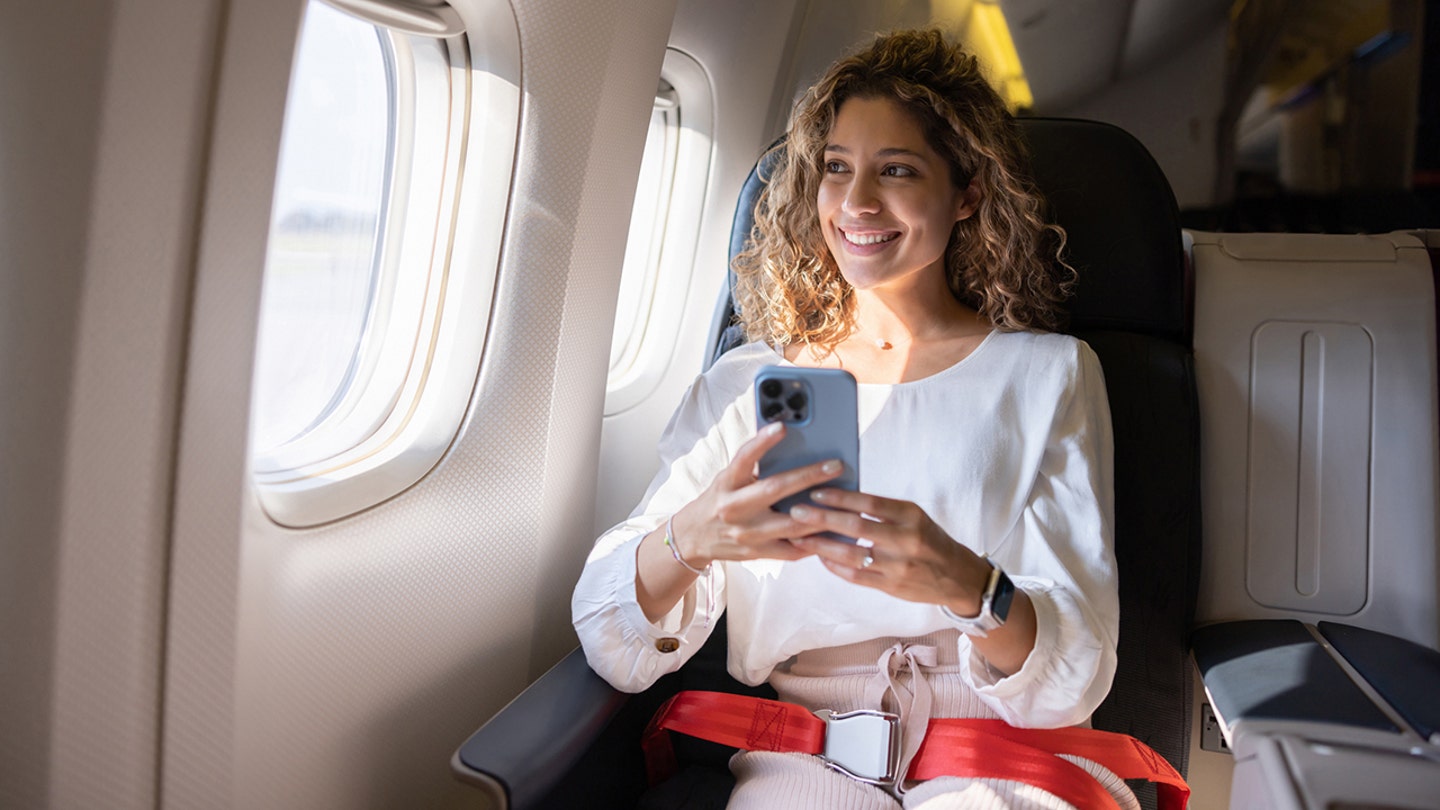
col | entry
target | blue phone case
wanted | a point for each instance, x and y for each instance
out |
(821, 420)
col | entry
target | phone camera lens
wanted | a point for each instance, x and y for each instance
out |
(771, 388)
(796, 401)
(771, 410)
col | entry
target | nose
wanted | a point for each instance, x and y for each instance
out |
(861, 196)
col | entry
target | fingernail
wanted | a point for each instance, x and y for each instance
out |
(832, 466)
(773, 428)
(820, 494)
(801, 512)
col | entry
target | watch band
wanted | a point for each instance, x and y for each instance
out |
(994, 605)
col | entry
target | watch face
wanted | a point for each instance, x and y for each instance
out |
(1004, 593)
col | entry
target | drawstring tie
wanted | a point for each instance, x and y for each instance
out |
(912, 702)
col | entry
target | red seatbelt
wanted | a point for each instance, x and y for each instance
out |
(952, 747)
(754, 724)
(1127, 757)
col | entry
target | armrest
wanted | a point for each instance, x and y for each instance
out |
(1275, 672)
(1304, 732)
(522, 752)
(1405, 674)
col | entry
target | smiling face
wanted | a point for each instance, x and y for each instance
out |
(887, 202)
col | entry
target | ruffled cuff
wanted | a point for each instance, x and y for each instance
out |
(1055, 686)
(621, 645)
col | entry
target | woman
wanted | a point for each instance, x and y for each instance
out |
(900, 241)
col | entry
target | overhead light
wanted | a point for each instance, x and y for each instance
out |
(989, 36)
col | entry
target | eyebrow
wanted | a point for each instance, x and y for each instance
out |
(892, 151)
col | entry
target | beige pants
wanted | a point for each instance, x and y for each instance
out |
(881, 674)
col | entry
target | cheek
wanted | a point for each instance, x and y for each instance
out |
(827, 199)
(942, 222)
(826, 209)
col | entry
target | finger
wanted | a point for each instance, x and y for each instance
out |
(849, 524)
(785, 550)
(762, 530)
(887, 510)
(851, 556)
(869, 577)
(780, 526)
(773, 488)
(741, 469)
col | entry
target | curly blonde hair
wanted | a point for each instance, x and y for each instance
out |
(1003, 261)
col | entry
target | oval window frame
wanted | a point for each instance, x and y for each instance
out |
(385, 435)
(673, 252)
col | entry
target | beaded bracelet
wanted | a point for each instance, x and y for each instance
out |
(675, 549)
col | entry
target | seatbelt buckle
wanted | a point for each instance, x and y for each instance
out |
(863, 745)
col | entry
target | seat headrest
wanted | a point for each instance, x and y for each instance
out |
(1121, 224)
(1119, 215)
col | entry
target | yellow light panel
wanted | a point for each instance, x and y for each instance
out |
(989, 36)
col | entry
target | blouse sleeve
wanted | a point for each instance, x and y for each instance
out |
(1062, 556)
(621, 645)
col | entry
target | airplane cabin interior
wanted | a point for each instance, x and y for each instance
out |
(334, 332)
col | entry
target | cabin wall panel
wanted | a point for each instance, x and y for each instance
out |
(47, 157)
(572, 223)
(132, 119)
(203, 658)
(340, 666)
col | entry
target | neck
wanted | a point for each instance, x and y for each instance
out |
(910, 318)
(901, 343)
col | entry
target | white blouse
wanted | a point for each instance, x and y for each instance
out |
(1009, 451)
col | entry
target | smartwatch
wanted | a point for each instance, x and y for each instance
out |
(994, 605)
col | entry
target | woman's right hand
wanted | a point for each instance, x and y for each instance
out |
(730, 520)
(733, 520)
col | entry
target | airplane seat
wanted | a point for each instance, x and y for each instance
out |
(1318, 612)
(1132, 306)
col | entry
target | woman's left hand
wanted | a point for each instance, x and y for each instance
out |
(907, 555)
(902, 551)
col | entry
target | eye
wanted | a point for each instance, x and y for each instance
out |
(897, 170)
(834, 167)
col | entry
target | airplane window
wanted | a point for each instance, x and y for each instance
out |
(664, 228)
(647, 230)
(323, 259)
(389, 204)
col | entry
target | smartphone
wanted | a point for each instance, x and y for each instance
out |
(821, 420)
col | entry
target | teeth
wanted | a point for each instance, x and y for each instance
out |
(868, 239)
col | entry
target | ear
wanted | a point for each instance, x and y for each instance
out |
(967, 201)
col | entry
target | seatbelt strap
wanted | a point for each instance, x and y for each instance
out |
(954, 738)
(754, 724)
(952, 747)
